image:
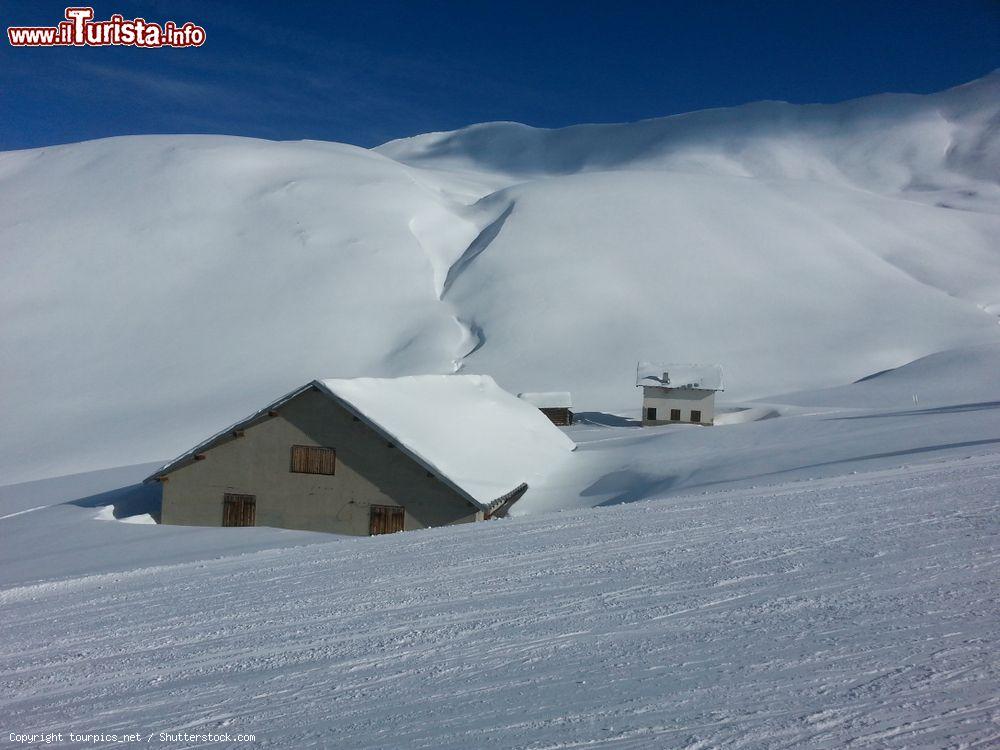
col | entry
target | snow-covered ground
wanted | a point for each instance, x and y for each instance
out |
(855, 611)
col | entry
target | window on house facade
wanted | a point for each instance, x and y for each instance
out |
(308, 459)
(239, 510)
(675, 415)
(695, 416)
(651, 413)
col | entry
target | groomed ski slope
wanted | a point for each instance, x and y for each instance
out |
(857, 611)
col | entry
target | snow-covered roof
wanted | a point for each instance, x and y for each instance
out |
(472, 434)
(674, 375)
(548, 399)
(465, 428)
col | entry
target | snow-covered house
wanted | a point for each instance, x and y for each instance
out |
(674, 393)
(367, 456)
(556, 405)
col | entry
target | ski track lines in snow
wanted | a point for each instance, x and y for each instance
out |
(852, 613)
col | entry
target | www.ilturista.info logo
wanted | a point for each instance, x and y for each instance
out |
(80, 30)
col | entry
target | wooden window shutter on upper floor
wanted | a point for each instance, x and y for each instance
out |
(308, 459)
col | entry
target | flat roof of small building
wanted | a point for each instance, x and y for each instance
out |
(548, 399)
(675, 375)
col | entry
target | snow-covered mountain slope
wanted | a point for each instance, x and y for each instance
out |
(154, 289)
(788, 285)
(969, 376)
(944, 147)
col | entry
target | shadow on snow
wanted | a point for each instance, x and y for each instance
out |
(133, 500)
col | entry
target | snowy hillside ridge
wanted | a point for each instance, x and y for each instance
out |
(802, 247)
(889, 143)
(956, 376)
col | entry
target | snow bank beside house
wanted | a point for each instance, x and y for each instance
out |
(548, 400)
(107, 513)
(64, 538)
(26, 496)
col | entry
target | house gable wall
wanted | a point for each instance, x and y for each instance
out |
(560, 416)
(685, 399)
(368, 472)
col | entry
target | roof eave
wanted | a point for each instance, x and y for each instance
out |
(508, 498)
(220, 436)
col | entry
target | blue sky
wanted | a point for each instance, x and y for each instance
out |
(367, 72)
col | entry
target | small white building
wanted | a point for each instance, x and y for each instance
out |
(678, 393)
(556, 405)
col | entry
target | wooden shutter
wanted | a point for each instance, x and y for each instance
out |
(675, 415)
(385, 519)
(309, 459)
(239, 510)
(396, 516)
(695, 416)
(376, 523)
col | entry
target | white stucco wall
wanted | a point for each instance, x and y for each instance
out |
(684, 399)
